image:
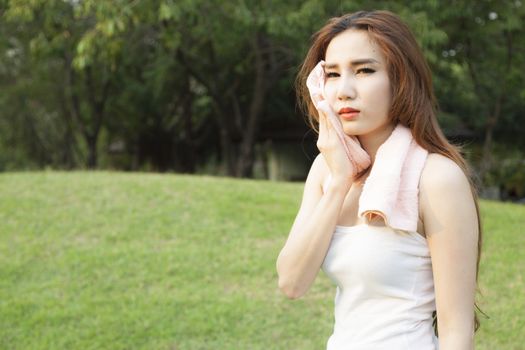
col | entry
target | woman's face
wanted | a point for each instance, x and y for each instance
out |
(357, 85)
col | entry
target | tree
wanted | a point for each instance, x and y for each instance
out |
(62, 35)
(485, 44)
(177, 87)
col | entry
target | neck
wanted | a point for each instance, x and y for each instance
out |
(371, 142)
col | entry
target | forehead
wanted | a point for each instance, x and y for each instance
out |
(352, 45)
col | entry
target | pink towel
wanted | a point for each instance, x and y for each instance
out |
(391, 189)
(358, 157)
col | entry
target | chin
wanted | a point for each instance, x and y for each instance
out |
(351, 130)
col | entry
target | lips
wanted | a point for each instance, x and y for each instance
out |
(348, 110)
(348, 113)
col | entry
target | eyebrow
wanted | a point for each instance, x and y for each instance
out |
(353, 63)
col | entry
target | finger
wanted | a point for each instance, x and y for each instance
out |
(321, 137)
(325, 130)
(322, 123)
(324, 108)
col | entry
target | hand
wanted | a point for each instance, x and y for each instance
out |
(315, 83)
(329, 124)
(334, 153)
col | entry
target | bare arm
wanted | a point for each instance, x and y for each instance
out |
(302, 256)
(451, 227)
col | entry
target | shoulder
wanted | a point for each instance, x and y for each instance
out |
(445, 195)
(440, 174)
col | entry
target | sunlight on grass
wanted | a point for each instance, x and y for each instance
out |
(141, 261)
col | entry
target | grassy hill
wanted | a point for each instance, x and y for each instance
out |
(143, 261)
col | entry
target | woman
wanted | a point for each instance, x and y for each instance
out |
(398, 260)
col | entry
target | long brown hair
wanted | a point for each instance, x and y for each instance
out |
(413, 101)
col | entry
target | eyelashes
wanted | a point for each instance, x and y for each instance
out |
(360, 71)
(365, 70)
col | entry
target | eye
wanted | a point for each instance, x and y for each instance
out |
(365, 70)
(331, 75)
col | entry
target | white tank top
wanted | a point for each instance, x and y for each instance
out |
(385, 289)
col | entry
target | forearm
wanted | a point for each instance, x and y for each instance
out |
(303, 254)
(457, 336)
(456, 341)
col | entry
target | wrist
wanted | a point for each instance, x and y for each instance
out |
(340, 184)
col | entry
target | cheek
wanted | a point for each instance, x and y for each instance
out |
(382, 95)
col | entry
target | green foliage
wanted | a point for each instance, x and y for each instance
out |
(73, 68)
(509, 173)
(137, 261)
(485, 40)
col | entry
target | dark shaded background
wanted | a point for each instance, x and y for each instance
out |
(207, 87)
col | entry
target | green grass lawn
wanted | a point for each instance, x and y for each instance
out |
(142, 261)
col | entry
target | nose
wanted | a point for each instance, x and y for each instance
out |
(346, 89)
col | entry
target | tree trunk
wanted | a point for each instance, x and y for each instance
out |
(189, 144)
(227, 154)
(245, 160)
(67, 158)
(97, 106)
(69, 143)
(492, 121)
(92, 152)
